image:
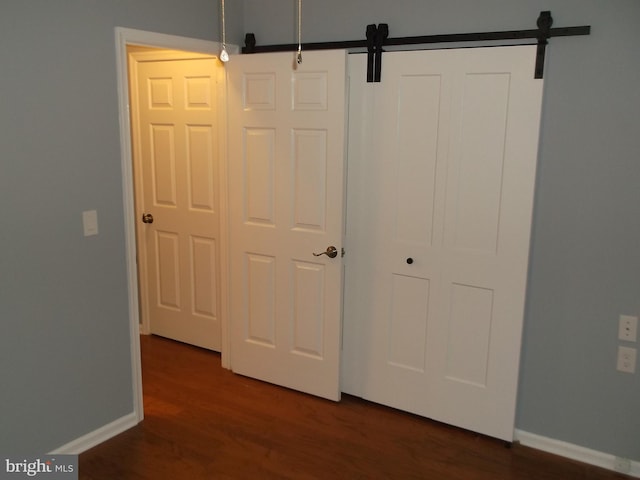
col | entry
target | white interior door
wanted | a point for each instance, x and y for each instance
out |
(444, 204)
(174, 132)
(286, 177)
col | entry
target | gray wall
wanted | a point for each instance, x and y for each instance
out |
(64, 346)
(64, 327)
(585, 264)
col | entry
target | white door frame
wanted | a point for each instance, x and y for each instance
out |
(124, 37)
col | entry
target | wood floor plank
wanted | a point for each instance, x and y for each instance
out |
(204, 422)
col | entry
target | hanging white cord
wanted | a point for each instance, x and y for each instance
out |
(299, 31)
(224, 56)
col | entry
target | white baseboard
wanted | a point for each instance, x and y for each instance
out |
(79, 445)
(550, 445)
(576, 452)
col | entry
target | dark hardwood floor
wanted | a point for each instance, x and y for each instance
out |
(204, 422)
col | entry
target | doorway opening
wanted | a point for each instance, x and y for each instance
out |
(137, 40)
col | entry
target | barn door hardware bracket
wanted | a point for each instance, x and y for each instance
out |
(544, 33)
(376, 35)
(372, 32)
(377, 38)
(381, 35)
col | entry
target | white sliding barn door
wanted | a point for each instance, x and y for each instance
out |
(286, 184)
(443, 188)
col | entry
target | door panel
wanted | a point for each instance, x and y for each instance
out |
(308, 309)
(310, 179)
(168, 268)
(202, 173)
(443, 243)
(176, 170)
(407, 322)
(468, 339)
(475, 183)
(419, 97)
(162, 163)
(286, 166)
(259, 171)
(204, 267)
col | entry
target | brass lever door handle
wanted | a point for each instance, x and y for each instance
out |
(331, 252)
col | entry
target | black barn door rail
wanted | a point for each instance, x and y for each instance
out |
(377, 38)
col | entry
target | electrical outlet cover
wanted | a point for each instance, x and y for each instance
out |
(628, 328)
(626, 359)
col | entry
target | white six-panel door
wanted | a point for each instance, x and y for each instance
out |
(440, 193)
(286, 195)
(174, 131)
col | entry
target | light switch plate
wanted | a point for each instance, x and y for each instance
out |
(90, 222)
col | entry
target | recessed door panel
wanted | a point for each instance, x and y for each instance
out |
(310, 178)
(468, 339)
(408, 322)
(198, 91)
(163, 164)
(417, 146)
(204, 268)
(308, 309)
(310, 91)
(475, 192)
(261, 296)
(168, 265)
(159, 93)
(259, 91)
(259, 175)
(202, 167)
